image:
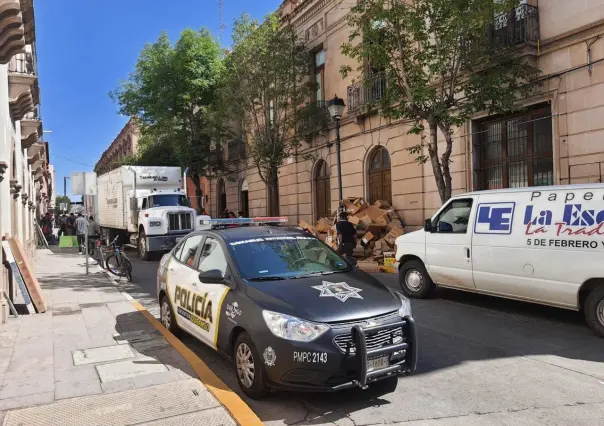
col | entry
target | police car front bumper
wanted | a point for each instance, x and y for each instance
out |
(325, 365)
(163, 242)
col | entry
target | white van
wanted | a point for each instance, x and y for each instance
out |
(543, 245)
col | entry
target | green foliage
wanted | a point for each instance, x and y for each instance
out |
(170, 93)
(265, 82)
(440, 67)
(62, 199)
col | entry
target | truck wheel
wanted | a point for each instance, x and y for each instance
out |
(167, 316)
(414, 280)
(143, 250)
(249, 369)
(594, 310)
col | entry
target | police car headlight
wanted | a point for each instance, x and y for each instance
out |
(155, 223)
(405, 309)
(292, 328)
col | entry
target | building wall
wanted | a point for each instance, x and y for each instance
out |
(573, 90)
(125, 144)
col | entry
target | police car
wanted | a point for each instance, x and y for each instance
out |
(285, 308)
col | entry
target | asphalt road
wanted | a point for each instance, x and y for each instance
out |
(482, 360)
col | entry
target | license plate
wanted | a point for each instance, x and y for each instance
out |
(378, 363)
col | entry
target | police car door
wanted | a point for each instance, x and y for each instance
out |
(182, 283)
(448, 246)
(212, 257)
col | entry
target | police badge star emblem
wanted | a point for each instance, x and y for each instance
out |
(340, 291)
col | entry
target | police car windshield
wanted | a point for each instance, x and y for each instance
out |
(286, 257)
(168, 200)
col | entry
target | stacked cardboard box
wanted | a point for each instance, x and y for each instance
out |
(377, 225)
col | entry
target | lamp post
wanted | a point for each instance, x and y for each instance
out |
(65, 185)
(336, 109)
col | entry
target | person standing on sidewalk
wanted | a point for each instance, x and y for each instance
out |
(347, 235)
(94, 233)
(81, 229)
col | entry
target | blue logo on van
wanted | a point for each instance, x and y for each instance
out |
(494, 218)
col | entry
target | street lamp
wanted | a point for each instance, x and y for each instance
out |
(336, 109)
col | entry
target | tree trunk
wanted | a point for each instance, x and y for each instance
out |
(198, 194)
(445, 160)
(436, 166)
(273, 198)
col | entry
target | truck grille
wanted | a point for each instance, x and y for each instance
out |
(179, 221)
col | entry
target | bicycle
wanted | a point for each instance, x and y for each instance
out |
(117, 263)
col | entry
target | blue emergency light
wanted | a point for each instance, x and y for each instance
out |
(244, 221)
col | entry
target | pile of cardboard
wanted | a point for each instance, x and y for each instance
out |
(377, 225)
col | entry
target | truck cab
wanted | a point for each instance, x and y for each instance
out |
(164, 217)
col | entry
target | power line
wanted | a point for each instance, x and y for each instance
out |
(69, 159)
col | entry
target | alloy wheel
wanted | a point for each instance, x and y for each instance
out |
(245, 365)
(600, 312)
(166, 315)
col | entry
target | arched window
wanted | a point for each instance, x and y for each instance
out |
(222, 198)
(380, 181)
(322, 190)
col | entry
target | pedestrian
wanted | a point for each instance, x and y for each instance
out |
(94, 233)
(346, 234)
(71, 224)
(240, 214)
(81, 228)
(62, 225)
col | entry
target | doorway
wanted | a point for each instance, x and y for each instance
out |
(380, 180)
(322, 190)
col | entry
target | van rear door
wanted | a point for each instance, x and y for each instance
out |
(448, 245)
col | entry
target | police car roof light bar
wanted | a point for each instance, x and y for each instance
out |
(244, 221)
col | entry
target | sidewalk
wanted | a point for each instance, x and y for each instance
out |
(94, 358)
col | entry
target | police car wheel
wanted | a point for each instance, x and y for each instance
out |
(248, 365)
(414, 280)
(594, 310)
(167, 316)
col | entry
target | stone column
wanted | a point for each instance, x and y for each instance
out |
(21, 181)
(5, 164)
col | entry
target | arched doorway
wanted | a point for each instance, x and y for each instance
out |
(221, 197)
(244, 204)
(322, 190)
(380, 182)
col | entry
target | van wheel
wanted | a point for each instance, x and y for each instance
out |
(249, 369)
(594, 310)
(415, 281)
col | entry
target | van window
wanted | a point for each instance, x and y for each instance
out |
(455, 217)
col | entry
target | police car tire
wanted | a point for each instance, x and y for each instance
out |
(174, 328)
(595, 298)
(260, 388)
(427, 287)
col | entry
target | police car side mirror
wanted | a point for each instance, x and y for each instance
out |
(213, 276)
(352, 261)
(428, 225)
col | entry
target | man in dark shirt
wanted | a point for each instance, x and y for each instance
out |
(347, 235)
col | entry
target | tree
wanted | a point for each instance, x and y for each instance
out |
(440, 67)
(170, 93)
(265, 83)
(60, 199)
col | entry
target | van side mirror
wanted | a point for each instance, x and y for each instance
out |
(428, 225)
(213, 276)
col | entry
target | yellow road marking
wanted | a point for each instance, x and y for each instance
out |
(240, 411)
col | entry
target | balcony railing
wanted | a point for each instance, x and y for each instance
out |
(313, 118)
(518, 26)
(22, 63)
(236, 150)
(363, 92)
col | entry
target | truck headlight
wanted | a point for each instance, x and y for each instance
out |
(405, 309)
(155, 223)
(292, 328)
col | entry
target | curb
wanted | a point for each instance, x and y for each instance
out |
(238, 409)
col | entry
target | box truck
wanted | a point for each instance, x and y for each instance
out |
(145, 206)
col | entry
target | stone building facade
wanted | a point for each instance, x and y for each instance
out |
(555, 141)
(124, 145)
(26, 178)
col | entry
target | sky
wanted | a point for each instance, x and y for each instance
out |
(86, 47)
